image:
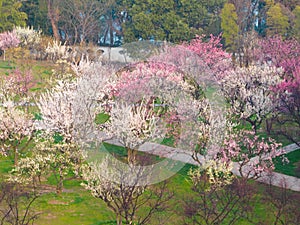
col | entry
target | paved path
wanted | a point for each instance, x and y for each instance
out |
(276, 179)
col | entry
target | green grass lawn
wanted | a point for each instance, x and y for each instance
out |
(5, 65)
(292, 167)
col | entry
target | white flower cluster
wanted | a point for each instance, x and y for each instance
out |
(110, 180)
(56, 50)
(28, 36)
(249, 89)
(48, 156)
(218, 174)
(15, 124)
(133, 125)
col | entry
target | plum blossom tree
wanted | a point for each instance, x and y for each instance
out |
(182, 100)
(18, 83)
(8, 40)
(279, 52)
(249, 92)
(211, 52)
(71, 106)
(16, 130)
(218, 196)
(133, 126)
(197, 57)
(253, 154)
(49, 157)
(28, 36)
(284, 54)
(125, 190)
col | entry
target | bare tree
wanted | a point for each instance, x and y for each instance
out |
(124, 189)
(16, 201)
(211, 204)
(285, 203)
(80, 20)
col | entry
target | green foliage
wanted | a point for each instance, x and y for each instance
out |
(58, 138)
(229, 26)
(101, 118)
(37, 15)
(277, 22)
(169, 20)
(296, 26)
(155, 19)
(10, 15)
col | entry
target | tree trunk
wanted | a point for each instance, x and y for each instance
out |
(119, 220)
(131, 156)
(59, 185)
(16, 157)
(269, 124)
(111, 29)
(53, 16)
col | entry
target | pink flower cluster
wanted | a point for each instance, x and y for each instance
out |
(8, 40)
(20, 82)
(254, 155)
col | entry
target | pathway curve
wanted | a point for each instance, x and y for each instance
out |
(276, 179)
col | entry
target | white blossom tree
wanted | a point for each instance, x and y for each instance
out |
(16, 129)
(49, 157)
(125, 190)
(28, 36)
(70, 107)
(249, 92)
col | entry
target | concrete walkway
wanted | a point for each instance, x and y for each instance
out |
(276, 179)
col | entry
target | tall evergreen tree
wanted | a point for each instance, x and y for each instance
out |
(296, 25)
(229, 26)
(170, 20)
(277, 22)
(37, 15)
(10, 15)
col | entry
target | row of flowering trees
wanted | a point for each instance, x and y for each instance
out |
(164, 96)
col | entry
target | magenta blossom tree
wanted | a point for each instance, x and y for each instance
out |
(211, 52)
(198, 57)
(280, 53)
(8, 40)
(285, 54)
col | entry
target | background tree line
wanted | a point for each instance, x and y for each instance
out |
(106, 22)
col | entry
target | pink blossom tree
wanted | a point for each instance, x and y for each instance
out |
(279, 52)
(285, 54)
(211, 52)
(8, 40)
(197, 57)
(19, 82)
(252, 154)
